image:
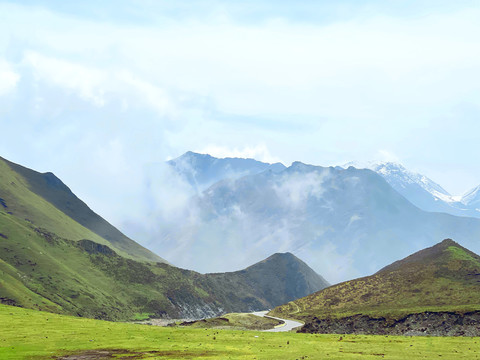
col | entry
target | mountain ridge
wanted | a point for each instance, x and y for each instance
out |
(324, 215)
(422, 191)
(203, 170)
(441, 278)
(53, 191)
(45, 272)
(49, 261)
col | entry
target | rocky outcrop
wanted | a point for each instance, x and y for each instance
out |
(95, 248)
(426, 323)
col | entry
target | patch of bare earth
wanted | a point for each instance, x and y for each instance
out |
(126, 354)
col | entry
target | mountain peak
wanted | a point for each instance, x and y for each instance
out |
(298, 277)
(192, 155)
(285, 255)
(439, 253)
(448, 242)
(300, 166)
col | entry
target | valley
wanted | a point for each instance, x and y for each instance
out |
(239, 180)
(49, 261)
(58, 256)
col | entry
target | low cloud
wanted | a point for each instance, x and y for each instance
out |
(295, 189)
(98, 85)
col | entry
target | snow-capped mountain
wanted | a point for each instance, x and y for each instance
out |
(344, 222)
(422, 191)
(472, 198)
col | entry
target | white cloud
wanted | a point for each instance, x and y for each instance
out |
(385, 155)
(98, 85)
(295, 189)
(356, 85)
(367, 69)
(87, 82)
(8, 78)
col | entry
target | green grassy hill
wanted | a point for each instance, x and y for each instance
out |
(46, 202)
(41, 270)
(445, 277)
(278, 279)
(58, 255)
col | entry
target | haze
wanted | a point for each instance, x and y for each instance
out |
(96, 92)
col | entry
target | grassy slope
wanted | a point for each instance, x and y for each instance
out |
(235, 321)
(40, 270)
(280, 278)
(45, 201)
(445, 277)
(32, 334)
(42, 267)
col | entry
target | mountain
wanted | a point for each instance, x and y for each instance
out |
(345, 223)
(45, 201)
(42, 271)
(58, 255)
(203, 170)
(472, 198)
(280, 277)
(435, 283)
(420, 190)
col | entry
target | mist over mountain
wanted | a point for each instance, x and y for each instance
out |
(345, 223)
(202, 170)
(58, 255)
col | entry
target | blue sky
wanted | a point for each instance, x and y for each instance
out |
(94, 90)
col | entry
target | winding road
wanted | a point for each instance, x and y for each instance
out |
(287, 326)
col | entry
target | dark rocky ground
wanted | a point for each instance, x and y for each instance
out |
(426, 323)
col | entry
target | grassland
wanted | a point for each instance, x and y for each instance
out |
(28, 334)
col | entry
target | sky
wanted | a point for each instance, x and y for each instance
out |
(93, 91)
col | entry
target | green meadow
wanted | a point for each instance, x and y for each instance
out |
(30, 334)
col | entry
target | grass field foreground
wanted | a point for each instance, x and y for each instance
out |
(31, 334)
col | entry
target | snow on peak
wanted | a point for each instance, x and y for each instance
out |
(471, 196)
(399, 177)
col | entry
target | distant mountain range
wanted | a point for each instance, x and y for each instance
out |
(202, 170)
(423, 192)
(58, 255)
(435, 291)
(345, 222)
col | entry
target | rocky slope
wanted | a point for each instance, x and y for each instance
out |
(423, 324)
